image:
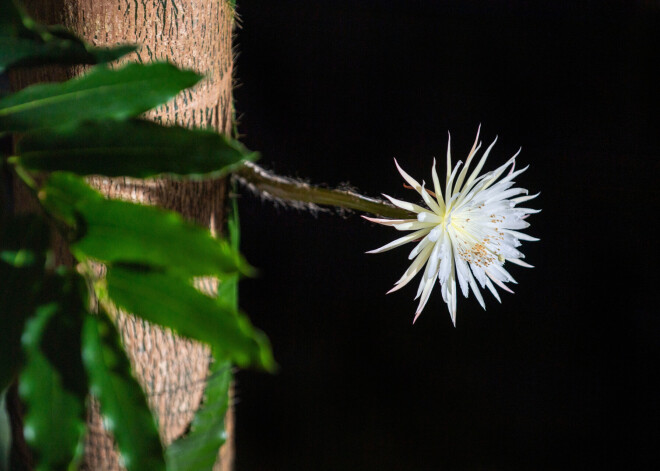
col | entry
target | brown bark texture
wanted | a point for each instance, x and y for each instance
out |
(193, 34)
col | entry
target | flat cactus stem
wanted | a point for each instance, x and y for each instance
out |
(303, 194)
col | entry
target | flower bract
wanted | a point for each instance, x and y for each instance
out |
(466, 232)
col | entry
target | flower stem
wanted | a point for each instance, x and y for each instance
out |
(269, 184)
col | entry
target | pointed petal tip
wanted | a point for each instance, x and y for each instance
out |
(396, 288)
(417, 314)
(374, 220)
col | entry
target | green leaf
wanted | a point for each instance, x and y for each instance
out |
(23, 244)
(11, 21)
(23, 42)
(61, 343)
(198, 451)
(24, 240)
(170, 301)
(123, 405)
(130, 148)
(5, 432)
(54, 423)
(117, 231)
(44, 315)
(228, 288)
(100, 94)
(20, 52)
(61, 194)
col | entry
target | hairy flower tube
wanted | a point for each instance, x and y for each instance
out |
(466, 232)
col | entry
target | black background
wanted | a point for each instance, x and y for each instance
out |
(561, 374)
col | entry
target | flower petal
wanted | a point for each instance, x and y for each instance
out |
(522, 199)
(400, 241)
(387, 222)
(413, 269)
(448, 190)
(492, 289)
(480, 165)
(405, 205)
(437, 188)
(517, 261)
(473, 151)
(521, 235)
(465, 237)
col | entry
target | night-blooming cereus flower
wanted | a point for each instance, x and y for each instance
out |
(468, 232)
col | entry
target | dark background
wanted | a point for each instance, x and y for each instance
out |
(561, 375)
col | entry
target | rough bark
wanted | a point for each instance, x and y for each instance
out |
(193, 34)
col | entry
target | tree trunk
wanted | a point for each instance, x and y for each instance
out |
(193, 34)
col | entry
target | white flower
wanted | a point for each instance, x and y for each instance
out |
(467, 232)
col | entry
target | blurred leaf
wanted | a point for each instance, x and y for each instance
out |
(61, 343)
(228, 289)
(43, 313)
(170, 301)
(62, 192)
(117, 231)
(234, 224)
(24, 240)
(22, 52)
(23, 42)
(100, 94)
(5, 432)
(123, 405)
(11, 21)
(23, 244)
(198, 451)
(54, 423)
(130, 148)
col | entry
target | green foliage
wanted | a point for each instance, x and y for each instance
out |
(48, 339)
(117, 231)
(123, 405)
(198, 450)
(55, 420)
(106, 94)
(131, 148)
(5, 432)
(60, 195)
(23, 42)
(11, 20)
(169, 301)
(23, 242)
